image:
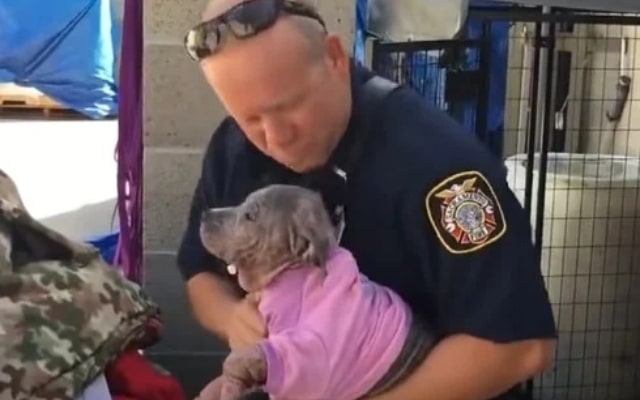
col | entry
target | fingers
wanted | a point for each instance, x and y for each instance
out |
(253, 320)
(254, 297)
(248, 327)
(244, 339)
(256, 326)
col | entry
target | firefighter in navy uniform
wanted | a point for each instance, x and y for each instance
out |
(426, 208)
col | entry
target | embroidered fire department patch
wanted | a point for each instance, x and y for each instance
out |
(465, 212)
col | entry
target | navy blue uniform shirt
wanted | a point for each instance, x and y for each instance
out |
(428, 213)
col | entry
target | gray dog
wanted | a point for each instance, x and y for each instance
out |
(333, 334)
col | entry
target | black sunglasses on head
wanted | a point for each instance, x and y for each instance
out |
(243, 21)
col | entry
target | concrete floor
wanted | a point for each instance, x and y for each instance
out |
(65, 171)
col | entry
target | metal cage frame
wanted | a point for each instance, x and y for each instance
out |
(540, 126)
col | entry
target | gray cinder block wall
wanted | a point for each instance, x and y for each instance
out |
(180, 113)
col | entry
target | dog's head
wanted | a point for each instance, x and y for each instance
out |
(277, 227)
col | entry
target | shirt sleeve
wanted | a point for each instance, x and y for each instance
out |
(297, 365)
(474, 242)
(193, 258)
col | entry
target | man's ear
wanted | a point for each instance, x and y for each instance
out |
(337, 55)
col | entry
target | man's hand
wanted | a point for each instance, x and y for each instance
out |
(220, 309)
(245, 327)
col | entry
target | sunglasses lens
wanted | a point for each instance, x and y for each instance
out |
(244, 20)
(252, 17)
(201, 41)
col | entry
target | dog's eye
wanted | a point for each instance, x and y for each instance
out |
(251, 214)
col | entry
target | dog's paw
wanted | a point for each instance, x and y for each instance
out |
(233, 389)
(212, 391)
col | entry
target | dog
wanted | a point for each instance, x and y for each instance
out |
(333, 333)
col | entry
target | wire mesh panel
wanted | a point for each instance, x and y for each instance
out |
(450, 74)
(570, 121)
(580, 135)
(571, 146)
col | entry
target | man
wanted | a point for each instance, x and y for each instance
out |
(427, 209)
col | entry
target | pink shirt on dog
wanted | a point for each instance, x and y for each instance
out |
(333, 336)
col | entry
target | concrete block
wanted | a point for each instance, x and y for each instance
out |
(169, 179)
(180, 109)
(171, 19)
(340, 17)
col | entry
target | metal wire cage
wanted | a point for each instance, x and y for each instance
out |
(451, 74)
(570, 139)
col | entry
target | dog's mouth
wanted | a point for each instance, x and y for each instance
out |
(209, 239)
(215, 227)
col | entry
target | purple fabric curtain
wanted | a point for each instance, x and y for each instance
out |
(129, 148)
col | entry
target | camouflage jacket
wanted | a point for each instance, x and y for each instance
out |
(64, 313)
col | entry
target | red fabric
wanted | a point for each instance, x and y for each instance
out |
(151, 335)
(132, 377)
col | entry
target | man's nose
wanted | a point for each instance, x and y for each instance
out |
(277, 132)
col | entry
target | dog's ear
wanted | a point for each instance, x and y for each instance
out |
(311, 234)
(308, 246)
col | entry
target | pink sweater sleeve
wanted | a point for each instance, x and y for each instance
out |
(297, 365)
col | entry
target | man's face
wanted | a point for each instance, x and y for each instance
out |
(292, 107)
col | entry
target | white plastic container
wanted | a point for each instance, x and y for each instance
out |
(591, 264)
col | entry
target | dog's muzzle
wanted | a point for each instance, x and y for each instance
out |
(214, 219)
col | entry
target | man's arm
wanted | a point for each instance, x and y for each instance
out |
(210, 293)
(210, 290)
(491, 304)
(212, 299)
(462, 367)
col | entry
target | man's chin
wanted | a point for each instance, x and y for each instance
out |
(299, 164)
(304, 166)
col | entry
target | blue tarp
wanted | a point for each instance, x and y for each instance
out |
(498, 68)
(106, 245)
(64, 49)
(116, 34)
